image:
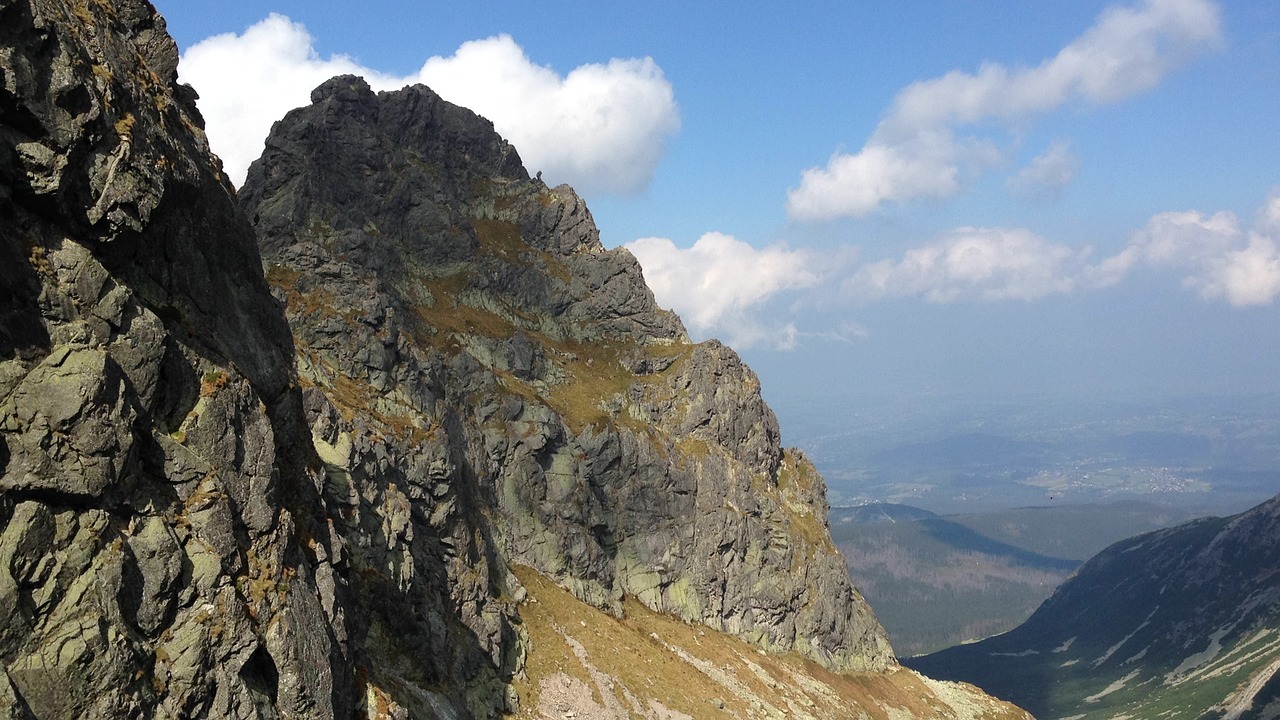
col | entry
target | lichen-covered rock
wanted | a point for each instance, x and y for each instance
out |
(206, 512)
(511, 382)
(69, 425)
(150, 469)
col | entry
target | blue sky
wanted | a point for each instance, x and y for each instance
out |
(881, 199)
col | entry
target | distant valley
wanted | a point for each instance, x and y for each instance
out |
(937, 581)
(1178, 623)
(1117, 557)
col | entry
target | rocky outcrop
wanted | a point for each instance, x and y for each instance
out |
(313, 492)
(434, 289)
(154, 492)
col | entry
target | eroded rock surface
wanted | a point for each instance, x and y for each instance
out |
(471, 331)
(155, 496)
(216, 501)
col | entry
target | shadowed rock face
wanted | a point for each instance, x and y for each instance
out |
(152, 449)
(207, 512)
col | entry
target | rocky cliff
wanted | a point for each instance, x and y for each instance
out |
(156, 500)
(217, 502)
(1182, 622)
(474, 339)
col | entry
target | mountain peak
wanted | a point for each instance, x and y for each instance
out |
(327, 503)
(619, 457)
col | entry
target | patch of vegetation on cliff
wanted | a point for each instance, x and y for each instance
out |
(500, 238)
(600, 379)
(797, 484)
(447, 316)
(318, 303)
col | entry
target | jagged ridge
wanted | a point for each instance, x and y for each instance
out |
(409, 243)
(192, 528)
(150, 439)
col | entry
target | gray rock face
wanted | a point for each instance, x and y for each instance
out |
(154, 492)
(440, 295)
(206, 512)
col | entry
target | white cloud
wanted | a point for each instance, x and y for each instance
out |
(858, 184)
(1186, 239)
(1215, 256)
(846, 332)
(1218, 258)
(719, 285)
(246, 82)
(1046, 174)
(722, 286)
(1246, 277)
(914, 153)
(1268, 220)
(974, 263)
(601, 128)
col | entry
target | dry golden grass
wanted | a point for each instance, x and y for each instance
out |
(212, 381)
(501, 238)
(695, 671)
(317, 303)
(124, 126)
(442, 324)
(598, 379)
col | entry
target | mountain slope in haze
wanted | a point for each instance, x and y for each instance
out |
(937, 583)
(208, 512)
(1075, 531)
(1181, 622)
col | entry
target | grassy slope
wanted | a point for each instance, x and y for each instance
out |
(1178, 623)
(585, 663)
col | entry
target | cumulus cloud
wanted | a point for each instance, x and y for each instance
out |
(1047, 174)
(857, 184)
(601, 128)
(246, 82)
(974, 264)
(915, 152)
(720, 284)
(1215, 256)
(1218, 258)
(1250, 276)
(724, 287)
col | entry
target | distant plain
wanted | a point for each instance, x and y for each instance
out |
(958, 517)
(955, 454)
